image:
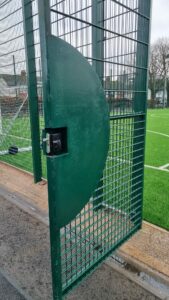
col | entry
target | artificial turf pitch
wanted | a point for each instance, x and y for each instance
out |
(156, 184)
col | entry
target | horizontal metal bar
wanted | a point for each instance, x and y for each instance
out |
(56, 4)
(5, 3)
(74, 13)
(14, 51)
(70, 32)
(122, 55)
(132, 10)
(116, 63)
(10, 14)
(13, 39)
(97, 26)
(118, 15)
(127, 116)
(123, 90)
(18, 63)
(11, 27)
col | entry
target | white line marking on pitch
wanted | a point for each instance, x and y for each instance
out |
(159, 133)
(161, 117)
(156, 168)
(164, 167)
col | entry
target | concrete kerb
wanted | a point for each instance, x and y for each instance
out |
(24, 204)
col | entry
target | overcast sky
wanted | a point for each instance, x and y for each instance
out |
(160, 19)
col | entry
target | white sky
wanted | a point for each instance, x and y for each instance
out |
(160, 19)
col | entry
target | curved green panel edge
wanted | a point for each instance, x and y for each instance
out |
(76, 101)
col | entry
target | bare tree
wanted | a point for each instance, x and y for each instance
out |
(153, 72)
(159, 68)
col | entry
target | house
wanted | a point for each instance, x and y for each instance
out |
(149, 94)
(3, 87)
(13, 91)
(12, 86)
(161, 98)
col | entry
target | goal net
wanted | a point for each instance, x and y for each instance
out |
(15, 136)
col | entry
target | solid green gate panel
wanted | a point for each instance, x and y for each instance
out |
(78, 112)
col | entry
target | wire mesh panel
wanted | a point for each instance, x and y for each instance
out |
(16, 146)
(14, 113)
(113, 214)
(114, 37)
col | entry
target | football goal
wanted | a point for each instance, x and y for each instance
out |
(14, 126)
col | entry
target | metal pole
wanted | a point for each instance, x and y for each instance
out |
(14, 67)
(167, 62)
(55, 239)
(164, 90)
(40, 75)
(98, 37)
(98, 53)
(32, 89)
(140, 106)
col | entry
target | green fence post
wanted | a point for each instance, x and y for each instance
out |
(55, 242)
(98, 64)
(140, 106)
(98, 37)
(32, 89)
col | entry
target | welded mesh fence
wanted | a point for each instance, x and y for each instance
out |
(15, 131)
(115, 42)
(14, 112)
(113, 36)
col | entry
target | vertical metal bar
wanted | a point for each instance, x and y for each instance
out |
(98, 37)
(98, 53)
(14, 69)
(55, 239)
(32, 89)
(165, 88)
(148, 12)
(140, 106)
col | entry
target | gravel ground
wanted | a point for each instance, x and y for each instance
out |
(24, 257)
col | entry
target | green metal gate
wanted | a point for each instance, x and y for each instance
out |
(113, 36)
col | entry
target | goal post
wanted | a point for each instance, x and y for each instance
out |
(13, 139)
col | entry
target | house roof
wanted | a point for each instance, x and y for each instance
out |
(17, 80)
(13, 80)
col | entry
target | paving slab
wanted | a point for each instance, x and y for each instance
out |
(150, 246)
(8, 291)
(24, 257)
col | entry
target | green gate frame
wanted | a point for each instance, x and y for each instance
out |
(32, 90)
(135, 119)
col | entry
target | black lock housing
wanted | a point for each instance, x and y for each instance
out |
(55, 141)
